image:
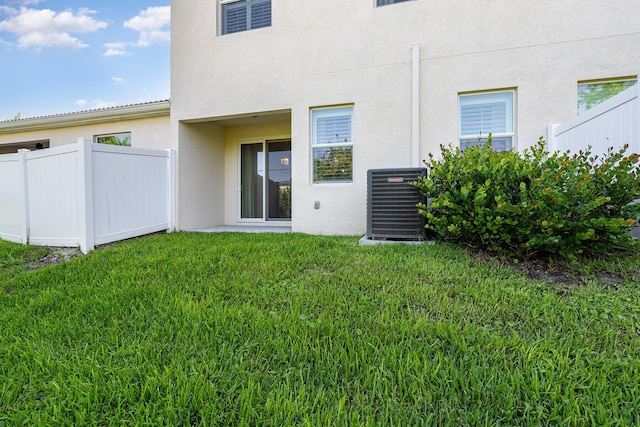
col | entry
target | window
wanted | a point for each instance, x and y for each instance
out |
(243, 15)
(592, 93)
(332, 144)
(29, 145)
(386, 2)
(482, 114)
(123, 139)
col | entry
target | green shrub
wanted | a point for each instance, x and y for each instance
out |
(532, 203)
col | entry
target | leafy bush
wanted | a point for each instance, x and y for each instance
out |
(534, 202)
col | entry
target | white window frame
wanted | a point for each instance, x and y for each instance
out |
(469, 98)
(598, 82)
(117, 135)
(329, 111)
(222, 3)
(264, 141)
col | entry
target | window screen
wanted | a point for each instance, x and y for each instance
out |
(332, 144)
(487, 113)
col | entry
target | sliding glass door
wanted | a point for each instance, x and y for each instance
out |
(251, 180)
(265, 180)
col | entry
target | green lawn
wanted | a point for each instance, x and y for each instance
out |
(289, 329)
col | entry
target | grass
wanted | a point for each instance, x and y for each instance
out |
(17, 259)
(268, 329)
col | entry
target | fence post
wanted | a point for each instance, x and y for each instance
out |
(85, 196)
(635, 142)
(24, 232)
(171, 196)
(634, 147)
(552, 142)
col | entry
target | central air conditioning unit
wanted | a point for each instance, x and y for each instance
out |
(391, 204)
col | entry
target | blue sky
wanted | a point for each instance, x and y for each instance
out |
(60, 56)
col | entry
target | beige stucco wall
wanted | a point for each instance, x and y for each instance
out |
(336, 52)
(150, 132)
(202, 180)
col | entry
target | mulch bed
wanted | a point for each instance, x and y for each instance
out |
(543, 270)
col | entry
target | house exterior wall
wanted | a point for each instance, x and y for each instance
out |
(203, 185)
(349, 52)
(146, 132)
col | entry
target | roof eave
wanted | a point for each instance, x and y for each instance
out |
(115, 114)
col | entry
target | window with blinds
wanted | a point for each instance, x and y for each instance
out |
(243, 15)
(483, 114)
(386, 2)
(332, 144)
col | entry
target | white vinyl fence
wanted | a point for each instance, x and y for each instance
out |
(85, 194)
(613, 123)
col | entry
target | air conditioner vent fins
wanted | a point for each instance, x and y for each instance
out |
(391, 204)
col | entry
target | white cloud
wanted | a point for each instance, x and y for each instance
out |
(100, 104)
(96, 104)
(118, 81)
(152, 24)
(39, 28)
(23, 2)
(148, 38)
(62, 40)
(115, 49)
